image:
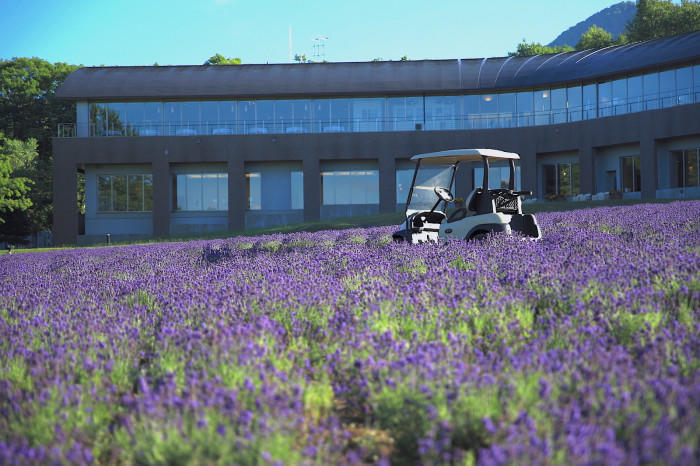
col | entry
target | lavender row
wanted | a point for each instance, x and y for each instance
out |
(343, 347)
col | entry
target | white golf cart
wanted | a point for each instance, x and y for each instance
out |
(484, 211)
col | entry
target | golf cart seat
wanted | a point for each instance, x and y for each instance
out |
(424, 218)
(481, 202)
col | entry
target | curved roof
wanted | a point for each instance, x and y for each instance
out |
(374, 78)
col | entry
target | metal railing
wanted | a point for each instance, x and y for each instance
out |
(503, 119)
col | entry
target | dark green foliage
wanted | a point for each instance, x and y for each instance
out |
(526, 49)
(661, 18)
(29, 110)
(219, 59)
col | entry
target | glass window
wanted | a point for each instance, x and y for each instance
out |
(190, 119)
(173, 112)
(222, 184)
(589, 102)
(442, 112)
(471, 117)
(575, 103)
(559, 110)
(549, 180)
(210, 191)
(255, 116)
(525, 108)
(619, 96)
(254, 188)
(152, 120)
(575, 179)
(297, 179)
(543, 107)
(631, 175)
(135, 193)
(341, 119)
(227, 118)
(506, 110)
(116, 119)
(696, 82)
(210, 117)
(193, 185)
(104, 193)
(200, 191)
(367, 114)
(684, 85)
(634, 94)
(404, 113)
(564, 179)
(124, 193)
(691, 168)
(675, 169)
(119, 194)
(667, 88)
(148, 193)
(488, 110)
(98, 119)
(341, 187)
(651, 91)
(604, 99)
(134, 118)
(293, 116)
(404, 177)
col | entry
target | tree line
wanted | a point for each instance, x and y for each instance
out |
(654, 19)
(30, 113)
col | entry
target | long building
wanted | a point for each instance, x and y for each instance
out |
(174, 150)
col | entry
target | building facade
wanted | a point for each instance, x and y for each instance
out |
(168, 151)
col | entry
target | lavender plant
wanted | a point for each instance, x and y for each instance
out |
(341, 347)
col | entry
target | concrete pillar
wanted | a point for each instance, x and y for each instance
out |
(161, 196)
(312, 189)
(65, 201)
(82, 120)
(237, 194)
(647, 156)
(586, 160)
(387, 184)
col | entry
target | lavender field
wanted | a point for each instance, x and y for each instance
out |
(340, 347)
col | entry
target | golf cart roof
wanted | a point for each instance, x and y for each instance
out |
(464, 155)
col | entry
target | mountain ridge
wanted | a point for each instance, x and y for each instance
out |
(613, 19)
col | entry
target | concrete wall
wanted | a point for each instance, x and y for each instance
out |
(648, 130)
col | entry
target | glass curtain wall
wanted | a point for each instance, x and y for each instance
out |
(409, 113)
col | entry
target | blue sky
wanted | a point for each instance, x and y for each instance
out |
(175, 32)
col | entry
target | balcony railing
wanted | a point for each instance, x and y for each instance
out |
(502, 119)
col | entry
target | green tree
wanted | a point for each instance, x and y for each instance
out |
(526, 49)
(301, 58)
(595, 38)
(29, 110)
(661, 18)
(16, 157)
(219, 59)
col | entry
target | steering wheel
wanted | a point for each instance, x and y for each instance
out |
(444, 194)
(458, 214)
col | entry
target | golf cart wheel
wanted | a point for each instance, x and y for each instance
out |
(478, 236)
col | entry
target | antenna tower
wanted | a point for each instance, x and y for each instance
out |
(319, 48)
